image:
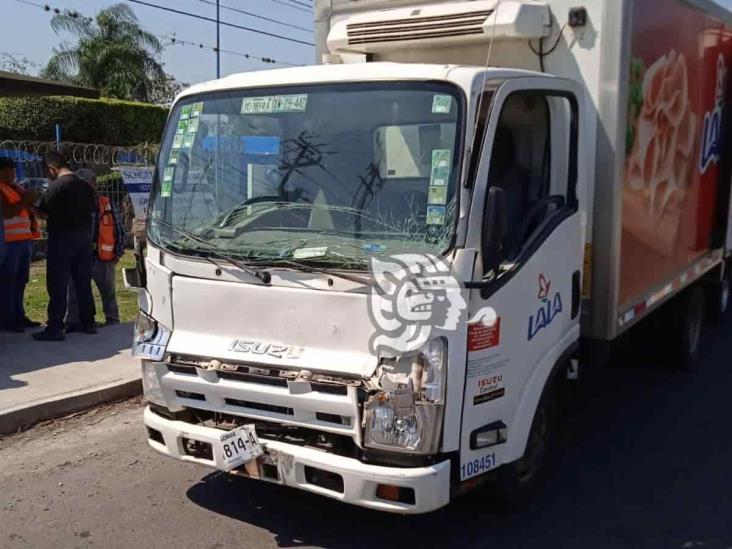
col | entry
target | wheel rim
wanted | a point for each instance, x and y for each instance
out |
(528, 466)
(694, 328)
(724, 296)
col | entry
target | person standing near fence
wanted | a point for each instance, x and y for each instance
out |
(20, 229)
(69, 204)
(108, 243)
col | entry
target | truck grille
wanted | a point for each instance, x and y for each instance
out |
(264, 394)
(418, 28)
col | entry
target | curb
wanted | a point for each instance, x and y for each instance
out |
(23, 417)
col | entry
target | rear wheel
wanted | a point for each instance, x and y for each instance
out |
(686, 323)
(718, 298)
(519, 480)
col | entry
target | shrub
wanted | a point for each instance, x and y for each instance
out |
(99, 121)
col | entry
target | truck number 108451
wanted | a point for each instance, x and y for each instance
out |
(477, 466)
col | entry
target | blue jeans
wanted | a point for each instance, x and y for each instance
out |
(14, 274)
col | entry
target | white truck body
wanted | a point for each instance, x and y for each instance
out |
(292, 350)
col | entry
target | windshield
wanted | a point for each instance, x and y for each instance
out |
(329, 173)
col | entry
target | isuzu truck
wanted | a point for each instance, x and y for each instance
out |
(371, 278)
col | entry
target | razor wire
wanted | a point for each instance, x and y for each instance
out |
(81, 154)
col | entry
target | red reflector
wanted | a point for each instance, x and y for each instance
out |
(400, 494)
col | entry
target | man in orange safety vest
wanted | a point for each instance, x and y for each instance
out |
(20, 228)
(108, 242)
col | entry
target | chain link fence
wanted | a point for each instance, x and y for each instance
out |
(102, 159)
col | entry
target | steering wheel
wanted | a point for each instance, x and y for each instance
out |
(536, 214)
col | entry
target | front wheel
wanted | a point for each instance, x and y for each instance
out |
(518, 481)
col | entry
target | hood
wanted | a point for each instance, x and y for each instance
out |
(321, 331)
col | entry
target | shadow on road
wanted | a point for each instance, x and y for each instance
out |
(21, 355)
(646, 461)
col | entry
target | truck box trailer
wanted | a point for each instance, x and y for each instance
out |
(370, 278)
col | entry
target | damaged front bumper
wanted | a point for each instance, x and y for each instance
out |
(338, 477)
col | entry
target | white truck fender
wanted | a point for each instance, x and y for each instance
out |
(534, 388)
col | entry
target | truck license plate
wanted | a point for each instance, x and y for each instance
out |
(239, 446)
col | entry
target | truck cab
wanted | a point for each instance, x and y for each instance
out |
(368, 278)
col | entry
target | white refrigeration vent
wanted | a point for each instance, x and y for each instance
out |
(439, 24)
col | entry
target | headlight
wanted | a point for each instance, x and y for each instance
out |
(150, 339)
(406, 415)
(151, 389)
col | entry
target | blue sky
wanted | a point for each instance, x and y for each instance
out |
(27, 32)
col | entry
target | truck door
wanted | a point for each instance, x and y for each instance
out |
(526, 222)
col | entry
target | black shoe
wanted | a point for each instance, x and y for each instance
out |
(71, 328)
(14, 328)
(91, 330)
(111, 323)
(49, 335)
(28, 323)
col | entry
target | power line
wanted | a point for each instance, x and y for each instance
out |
(250, 14)
(174, 40)
(290, 5)
(225, 23)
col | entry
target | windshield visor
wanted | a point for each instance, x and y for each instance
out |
(329, 173)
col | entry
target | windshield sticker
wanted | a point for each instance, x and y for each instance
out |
(437, 195)
(307, 253)
(373, 248)
(178, 141)
(196, 109)
(192, 125)
(435, 215)
(260, 144)
(182, 126)
(185, 112)
(440, 172)
(174, 156)
(274, 104)
(167, 185)
(188, 140)
(441, 104)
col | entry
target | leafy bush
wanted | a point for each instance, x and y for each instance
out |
(99, 121)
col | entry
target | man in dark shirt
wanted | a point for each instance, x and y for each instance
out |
(68, 204)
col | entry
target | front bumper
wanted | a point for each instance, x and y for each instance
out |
(431, 484)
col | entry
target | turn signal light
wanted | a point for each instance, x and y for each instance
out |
(400, 494)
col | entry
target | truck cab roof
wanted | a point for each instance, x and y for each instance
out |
(466, 76)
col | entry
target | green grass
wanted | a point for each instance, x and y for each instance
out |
(36, 297)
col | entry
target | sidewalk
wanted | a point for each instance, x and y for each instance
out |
(42, 380)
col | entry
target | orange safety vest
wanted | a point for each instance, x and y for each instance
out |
(105, 237)
(23, 226)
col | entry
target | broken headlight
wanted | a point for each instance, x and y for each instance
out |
(151, 389)
(405, 413)
(150, 338)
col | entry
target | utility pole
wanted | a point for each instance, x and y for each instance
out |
(218, 39)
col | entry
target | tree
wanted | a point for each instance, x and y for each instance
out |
(12, 62)
(114, 54)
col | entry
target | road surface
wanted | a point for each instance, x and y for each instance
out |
(646, 462)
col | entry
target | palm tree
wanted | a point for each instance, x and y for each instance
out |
(113, 54)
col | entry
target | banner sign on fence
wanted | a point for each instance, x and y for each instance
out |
(139, 184)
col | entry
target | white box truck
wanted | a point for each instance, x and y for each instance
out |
(371, 278)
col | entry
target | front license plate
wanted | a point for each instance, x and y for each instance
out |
(239, 446)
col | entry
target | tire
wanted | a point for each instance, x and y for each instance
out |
(686, 323)
(519, 481)
(718, 299)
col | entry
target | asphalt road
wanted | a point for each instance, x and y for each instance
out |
(646, 462)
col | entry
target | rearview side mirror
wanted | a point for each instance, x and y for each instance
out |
(495, 230)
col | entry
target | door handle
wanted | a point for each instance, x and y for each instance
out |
(576, 297)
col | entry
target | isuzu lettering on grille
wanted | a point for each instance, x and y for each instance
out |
(263, 348)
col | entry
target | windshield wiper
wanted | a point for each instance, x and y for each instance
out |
(297, 265)
(264, 276)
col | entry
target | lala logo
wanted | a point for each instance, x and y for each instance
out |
(711, 137)
(548, 309)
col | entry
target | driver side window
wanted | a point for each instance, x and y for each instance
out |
(529, 163)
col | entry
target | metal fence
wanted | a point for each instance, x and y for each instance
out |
(102, 159)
